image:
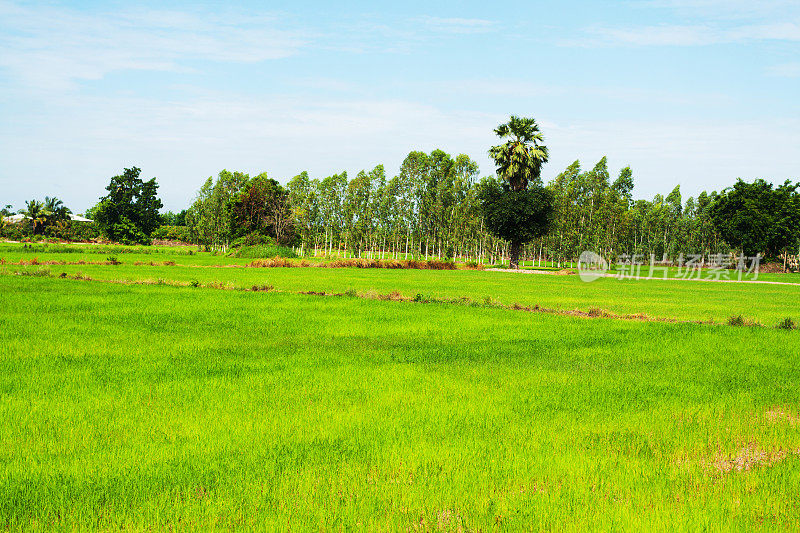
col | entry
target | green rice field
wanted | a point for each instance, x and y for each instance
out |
(175, 397)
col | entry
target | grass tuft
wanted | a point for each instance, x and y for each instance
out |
(596, 312)
(37, 272)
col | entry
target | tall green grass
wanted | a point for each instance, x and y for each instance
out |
(690, 300)
(263, 251)
(59, 249)
(154, 407)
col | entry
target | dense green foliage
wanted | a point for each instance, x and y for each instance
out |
(517, 216)
(129, 212)
(43, 215)
(47, 219)
(432, 209)
(755, 217)
(172, 233)
(174, 219)
(236, 205)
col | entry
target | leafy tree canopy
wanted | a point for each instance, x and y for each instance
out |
(516, 216)
(757, 217)
(129, 212)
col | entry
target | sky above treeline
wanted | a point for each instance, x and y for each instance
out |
(688, 92)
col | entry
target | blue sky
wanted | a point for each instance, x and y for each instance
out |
(689, 92)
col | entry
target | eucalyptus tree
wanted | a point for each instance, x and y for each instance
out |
(304, 202)
(358, 215)
(414, 184)
(332, 193)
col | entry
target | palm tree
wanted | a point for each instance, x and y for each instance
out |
(521, 213)
(519, 161)
(36, 212)
(57, 209)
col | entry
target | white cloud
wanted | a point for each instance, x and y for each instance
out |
(458, 25)
(725, 9)
(785, 70)
(49, 47)
(688, 35)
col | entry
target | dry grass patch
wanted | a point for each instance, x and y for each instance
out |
(780, 415)
(54, 262)
(275, 262)
(280, 262)
(745, 459)
(449, 520)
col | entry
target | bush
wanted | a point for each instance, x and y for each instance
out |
(786, 323)
(253, 239)
(16, 232)
(67, 230)
(172, 233)
(126, 232)
(73, 231)
(737, 320)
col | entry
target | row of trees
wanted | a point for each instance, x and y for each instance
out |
(436, 206)
(236, 205)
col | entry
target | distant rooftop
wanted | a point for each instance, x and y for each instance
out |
(20, 217)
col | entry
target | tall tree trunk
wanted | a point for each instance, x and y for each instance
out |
(513, 255)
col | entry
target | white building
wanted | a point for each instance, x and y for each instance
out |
(14, 219)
